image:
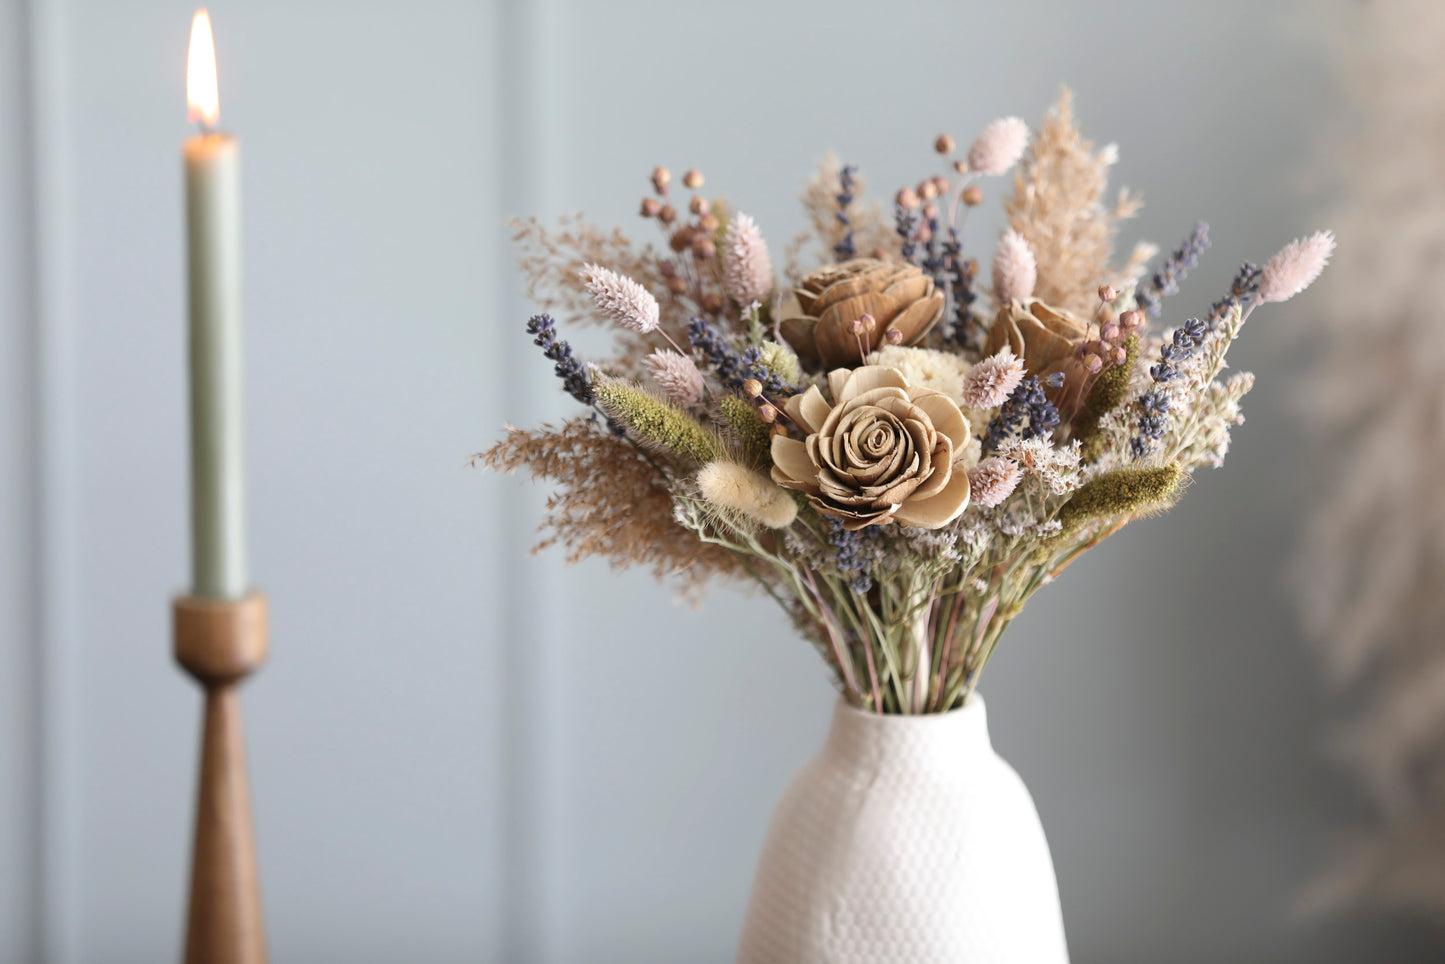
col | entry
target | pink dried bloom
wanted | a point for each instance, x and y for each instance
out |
(747, 269)
(1015, 272)
(989, 383)
(1296, 267)
(992, 480)
(620, 299)
(999, 147)
(677, 376)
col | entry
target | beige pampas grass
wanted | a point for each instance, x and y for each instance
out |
(621, 299)
(999, 147)
(729, 485)
(1015, 272)
(1295, 267)
(678, 377)
(747, 268)
(1058, 206)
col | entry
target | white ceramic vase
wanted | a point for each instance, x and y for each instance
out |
(906, 839)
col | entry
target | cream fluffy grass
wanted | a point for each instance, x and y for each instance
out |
(739, 488)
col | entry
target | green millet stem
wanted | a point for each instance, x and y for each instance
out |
(657, 423)
(1122, 492)
(753, 434)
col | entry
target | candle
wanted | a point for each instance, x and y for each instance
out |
(213, 236)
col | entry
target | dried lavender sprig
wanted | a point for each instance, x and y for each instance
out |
(734, 367)
(905, 225)
(932, 263)
(964, 333)
(848, 556)
(1242, 289)
(1027, 412)
(1151, 293)
(575, 380)
(845, 248)
(1154, 404)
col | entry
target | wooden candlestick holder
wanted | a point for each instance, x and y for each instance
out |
(220, 643)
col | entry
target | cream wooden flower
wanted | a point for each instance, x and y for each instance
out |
(881, 452)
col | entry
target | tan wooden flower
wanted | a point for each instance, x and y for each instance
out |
(880, 452)
(1043, 337)
(817, 316)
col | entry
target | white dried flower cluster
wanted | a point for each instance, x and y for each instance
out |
(968, 456)
(940, 371)
(620, 299)
(937, 544)
(747, 268)
(678, 377)
(1056, 467)
(974, 531)
(1015, 271)
(999, 147)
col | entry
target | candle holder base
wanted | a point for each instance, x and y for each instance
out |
(220, 643)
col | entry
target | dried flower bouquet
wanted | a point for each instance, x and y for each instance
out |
(898, 456)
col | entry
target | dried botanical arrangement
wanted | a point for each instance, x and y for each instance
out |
(898, 454)
(1372, 564)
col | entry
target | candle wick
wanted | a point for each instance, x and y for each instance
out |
(206, 129)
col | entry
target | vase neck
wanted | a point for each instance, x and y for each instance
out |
(881, 742)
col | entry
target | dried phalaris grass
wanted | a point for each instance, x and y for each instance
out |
(550, 259)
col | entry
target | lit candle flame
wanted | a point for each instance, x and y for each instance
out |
(201, 94)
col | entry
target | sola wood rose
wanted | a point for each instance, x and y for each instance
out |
(881, 452)
(817, 436)
(818, 315)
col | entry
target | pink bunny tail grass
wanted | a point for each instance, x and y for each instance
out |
(1015, 272)
(1296, 267)
(999, 147)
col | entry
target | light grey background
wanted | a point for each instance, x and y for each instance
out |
(463, 753)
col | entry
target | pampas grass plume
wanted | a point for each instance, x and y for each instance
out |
(620, 299)
(1296, 267)
(729, 485)
(999, 147)
(1015, 272)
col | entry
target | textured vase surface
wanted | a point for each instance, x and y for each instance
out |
(906, 839)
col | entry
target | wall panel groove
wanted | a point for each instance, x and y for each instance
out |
(52, 588)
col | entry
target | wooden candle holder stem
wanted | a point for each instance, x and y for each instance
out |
(220, 643)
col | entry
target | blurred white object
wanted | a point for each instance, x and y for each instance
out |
(906, 839)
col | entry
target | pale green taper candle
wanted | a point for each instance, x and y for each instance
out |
(218, 484)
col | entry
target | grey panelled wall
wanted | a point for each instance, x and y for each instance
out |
(18, 751)
(463, 753)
